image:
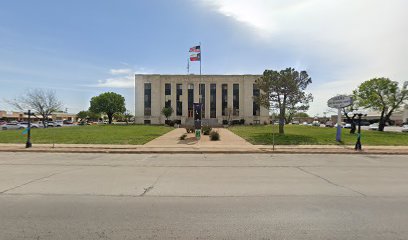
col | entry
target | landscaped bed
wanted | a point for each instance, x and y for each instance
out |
(98, 134)
(307, 135)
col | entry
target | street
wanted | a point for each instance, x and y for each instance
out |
(203, 196)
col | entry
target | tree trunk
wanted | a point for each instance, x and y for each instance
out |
(44, 121)
(110, 116)
(381, 125)
(353, 127)
(282, 122)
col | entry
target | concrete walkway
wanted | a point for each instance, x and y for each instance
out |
(227, 139)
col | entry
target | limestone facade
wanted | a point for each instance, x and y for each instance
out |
(152, 91)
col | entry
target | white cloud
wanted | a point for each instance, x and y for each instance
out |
(118, 82)
(120, 71)
(346, 41)
(121, 78)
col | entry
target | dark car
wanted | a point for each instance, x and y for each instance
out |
(67, 122)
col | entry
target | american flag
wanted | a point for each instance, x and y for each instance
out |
(195, 49)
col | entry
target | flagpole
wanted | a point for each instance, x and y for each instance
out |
(188, 66)
(201, 80)
(201, 56)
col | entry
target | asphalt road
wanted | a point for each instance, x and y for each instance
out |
(263, 196)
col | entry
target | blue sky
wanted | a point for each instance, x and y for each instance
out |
(83, 48)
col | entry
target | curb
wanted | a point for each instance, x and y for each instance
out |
(261, 151)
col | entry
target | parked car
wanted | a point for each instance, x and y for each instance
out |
(83, 123)
(25, 124)
(67, 122)
(305, 124)
(58, 123)
(373, 126)
(404, 128)
(49, 124)
(316, 123)
(295, 122)
(12, 125)
(328, 124)
(3, 123)
(347, 125)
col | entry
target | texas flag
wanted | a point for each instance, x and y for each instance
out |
(195, 57)
(195, 49)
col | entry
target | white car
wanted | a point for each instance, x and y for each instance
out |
(373, 126)
(25, 124)
(58, 123)
(404, 128)
(12, 125)
(348, 125)
(51, 124)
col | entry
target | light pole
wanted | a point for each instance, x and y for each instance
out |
(358, 143)
(358, 146)
(28, 143)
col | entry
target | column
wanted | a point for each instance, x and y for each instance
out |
(184, 98)
(207, 100)
(173, 98)
(218, 95)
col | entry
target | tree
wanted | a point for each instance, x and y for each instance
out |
(346, 110)
(82, 115)
(381, 94)
(108, 103)
(93, 116)
(42, 102)
(298, 105)
(167, 112)
(283, 90)
(89, 115)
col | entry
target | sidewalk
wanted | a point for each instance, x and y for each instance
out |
(229, 143)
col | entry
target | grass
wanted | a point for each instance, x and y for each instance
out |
(306, 135)
(98, 134)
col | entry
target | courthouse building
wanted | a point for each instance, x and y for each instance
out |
(224, 97)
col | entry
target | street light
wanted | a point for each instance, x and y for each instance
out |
(358, 143)
(28, 143)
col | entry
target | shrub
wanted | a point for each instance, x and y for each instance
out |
(206, 130)
(183, 136)
(242, 121)
(224, 122)
(214, 136)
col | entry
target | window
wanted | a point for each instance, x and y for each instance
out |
(224, 99)
(167, 95)
(190, 98)
(179, 103)
(256, 108)
(147, 99)
(213, 100)
(202, 98)
(235, 99)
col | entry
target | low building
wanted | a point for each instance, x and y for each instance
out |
(225, 98)
(20, 116)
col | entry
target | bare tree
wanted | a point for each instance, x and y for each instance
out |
(42, 102)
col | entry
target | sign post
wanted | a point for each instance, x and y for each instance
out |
(339, 102)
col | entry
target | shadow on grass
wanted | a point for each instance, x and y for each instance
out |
(287, 139)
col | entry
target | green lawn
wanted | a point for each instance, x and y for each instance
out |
(98, 134)
(305, 135)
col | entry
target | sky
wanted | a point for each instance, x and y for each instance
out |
(83, 48)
